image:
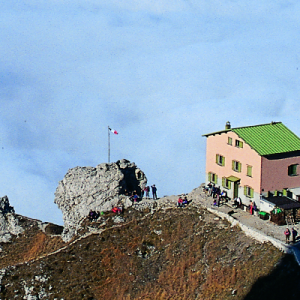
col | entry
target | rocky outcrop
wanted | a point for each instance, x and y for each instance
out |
(8, 222)
(100, 188)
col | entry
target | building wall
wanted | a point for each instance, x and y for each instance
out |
(218, 144)
(275, 173)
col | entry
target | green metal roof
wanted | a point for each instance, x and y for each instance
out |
(266, 139)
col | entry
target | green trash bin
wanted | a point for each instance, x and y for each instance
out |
(263, 215)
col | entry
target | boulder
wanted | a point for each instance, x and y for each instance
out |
(97, 188)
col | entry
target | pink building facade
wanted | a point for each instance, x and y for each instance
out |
(237, 167)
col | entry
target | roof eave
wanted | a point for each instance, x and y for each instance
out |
(217, 132)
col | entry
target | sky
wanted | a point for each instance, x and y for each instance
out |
(162, 73)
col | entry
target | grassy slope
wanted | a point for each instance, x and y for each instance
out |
(177, 254)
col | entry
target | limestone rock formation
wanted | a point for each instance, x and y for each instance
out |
(8, 222)
(100, 188)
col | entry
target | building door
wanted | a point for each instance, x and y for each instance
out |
(236, 189)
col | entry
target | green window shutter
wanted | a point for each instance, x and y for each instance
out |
(275, 193)
(209, 176)
(241, 144)
(251, 192)
(245, 190)
(233, 165)
(216, 178)
(239, 167)
(223, 161)
(229, 184)
(249, 171)
(284, 192)
(295, 169)
(217, 158)
(223, 181)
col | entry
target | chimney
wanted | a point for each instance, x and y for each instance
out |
(227, 126)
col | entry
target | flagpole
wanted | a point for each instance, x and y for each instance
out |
(108, 144)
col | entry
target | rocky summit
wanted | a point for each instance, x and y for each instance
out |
(8, 222)
(99, 189)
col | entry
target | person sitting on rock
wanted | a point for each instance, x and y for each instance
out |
(92, 215)
(120, 208)
(180, 202)
(115, 210)
(185, 201)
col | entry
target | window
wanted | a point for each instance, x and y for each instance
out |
(238, 143)
(248, 191)
(292, 170)
(220, 160)
(236, 166)
(249, 171)
(229, 141)
(212, 177)
(226, 183)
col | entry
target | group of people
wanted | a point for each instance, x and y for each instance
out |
(288, 234)
(252, 207)
(216, 193)
(118, 209)
(182, 202)
(146, 192)
(93, 215)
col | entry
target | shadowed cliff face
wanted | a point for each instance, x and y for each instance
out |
(166, 254)
(99, 189)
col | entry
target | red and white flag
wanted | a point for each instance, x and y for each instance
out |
(113, 131)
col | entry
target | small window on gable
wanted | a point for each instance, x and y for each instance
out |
(236, 166)
(238, 143)
(249, 171)
(220, 160)
(292, 170)
(229, 141)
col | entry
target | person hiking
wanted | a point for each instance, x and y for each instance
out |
(287, 234)
(154, 189)
(147, 190)
(294, 235)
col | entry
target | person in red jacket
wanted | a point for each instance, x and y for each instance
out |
(287, 234)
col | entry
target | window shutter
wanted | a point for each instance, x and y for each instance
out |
(241, 144)
(239, 167)
(209, 176)
(216, 178)
(223, 181)
(251, 192)
(229, 184)
(217, 158)
(284, 192)
(275, 193)
(223, 161)
(295, 169)
(233, 165)
(245, 190)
